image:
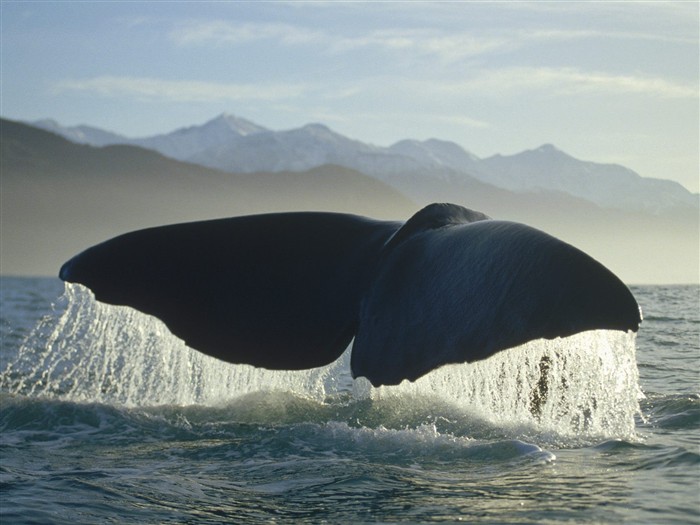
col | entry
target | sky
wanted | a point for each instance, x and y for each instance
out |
(606, 81)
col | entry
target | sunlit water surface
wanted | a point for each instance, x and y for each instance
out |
(106, 417)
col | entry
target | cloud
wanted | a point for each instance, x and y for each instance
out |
(566, 81)
(445, 45)
(503, 82)
(420, 42)
(180, 90)
(462, 120)
(560, 35)
(218, 32)
(425, 42)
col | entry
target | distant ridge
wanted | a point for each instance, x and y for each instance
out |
(608, 185)
(236, 145)
(57, 197)
(184, 143)
(81, 134)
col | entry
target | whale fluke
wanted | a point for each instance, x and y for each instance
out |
(291, 290)
(456, 293)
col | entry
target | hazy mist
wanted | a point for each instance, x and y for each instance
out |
(59, 198)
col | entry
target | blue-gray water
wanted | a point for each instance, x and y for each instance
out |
(106, 418)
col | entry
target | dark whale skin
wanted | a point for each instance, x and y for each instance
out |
(291, 290)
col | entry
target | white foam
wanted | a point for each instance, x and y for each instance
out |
(103, 353)
(584, 384)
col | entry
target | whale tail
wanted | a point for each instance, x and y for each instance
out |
(461, 291)
(291, 290)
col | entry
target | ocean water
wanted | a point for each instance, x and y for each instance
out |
(107, 418)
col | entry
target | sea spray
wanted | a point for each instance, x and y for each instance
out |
(584, 385)
(89, 351)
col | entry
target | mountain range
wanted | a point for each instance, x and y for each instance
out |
(58, 196)
(236, 145)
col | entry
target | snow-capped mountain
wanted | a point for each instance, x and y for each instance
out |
(81, 134)
(302, 149)
(184, 143)
(608, 185)
(234, 144)
(438, 154)
(179, 144)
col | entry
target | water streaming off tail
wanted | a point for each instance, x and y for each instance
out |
(102, 353)
(88, 351)
(586, 384)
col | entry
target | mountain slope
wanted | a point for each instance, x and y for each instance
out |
(58, 197)
(183, 143)
(301, 149)
(438, 154)
(179, 144)
(608, 185)
(232, 144)
(81, 134)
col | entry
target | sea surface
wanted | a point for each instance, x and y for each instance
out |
(107, 418)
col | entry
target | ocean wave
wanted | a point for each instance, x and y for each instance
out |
(231, 431)
(585, 385)
(672, 411)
